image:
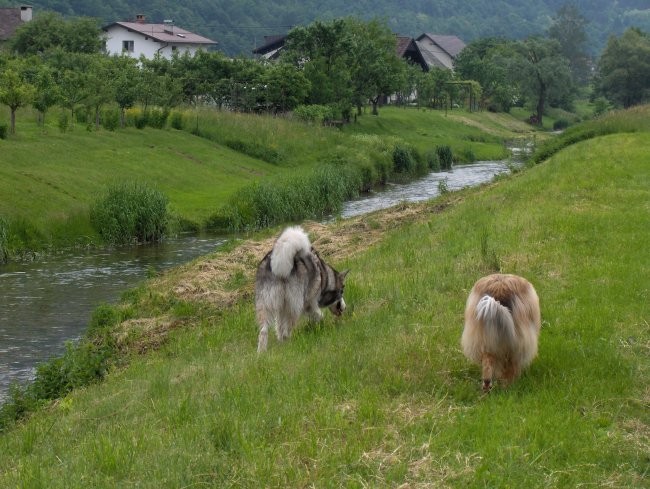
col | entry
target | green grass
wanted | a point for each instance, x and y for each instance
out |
(49, 180)
(384, 397)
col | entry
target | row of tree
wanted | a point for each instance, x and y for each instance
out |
(344, 63)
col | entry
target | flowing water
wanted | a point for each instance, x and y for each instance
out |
(47, 302)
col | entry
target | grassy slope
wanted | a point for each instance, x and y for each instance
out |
(51, 176)
(384, 397)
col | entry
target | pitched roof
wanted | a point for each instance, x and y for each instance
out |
(163, 33)
(452, 45)
(407, 48)
(271, 43)
(9, 22)
(429, 57)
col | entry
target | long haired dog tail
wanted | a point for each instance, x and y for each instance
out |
(496, 318)
(292, 241)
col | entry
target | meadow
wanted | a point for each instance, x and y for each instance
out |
(50, 179)
(383, 397)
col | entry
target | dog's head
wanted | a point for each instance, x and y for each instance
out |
(334, 300)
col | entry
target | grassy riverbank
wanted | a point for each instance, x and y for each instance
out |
(49, 179)
(383, 397)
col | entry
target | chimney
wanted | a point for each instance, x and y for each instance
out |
(169, 26)
(25, 13)
(139, 18)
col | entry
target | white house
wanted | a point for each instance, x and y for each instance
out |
(139, 38)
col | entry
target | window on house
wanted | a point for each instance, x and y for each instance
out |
(127, 46)
(174, 48)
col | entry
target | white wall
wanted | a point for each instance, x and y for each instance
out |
(141, 44)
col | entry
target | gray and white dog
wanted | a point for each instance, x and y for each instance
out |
(293, 280)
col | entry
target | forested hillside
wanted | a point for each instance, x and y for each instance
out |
(241, 25)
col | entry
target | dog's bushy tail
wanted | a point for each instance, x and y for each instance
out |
(497, 321)
(291, 242)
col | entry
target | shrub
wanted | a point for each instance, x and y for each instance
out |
(433, 161)
(4, 130)
(403, 161)
(313, 113)
(560, 124)
(280, 200)
(130, 212)
(445, 157)
(176, 120)
(111, 119)
(141, 120)
(157, 118)
(63, 121)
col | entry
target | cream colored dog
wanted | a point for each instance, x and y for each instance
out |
(502, 323)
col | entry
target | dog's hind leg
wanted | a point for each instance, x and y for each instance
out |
(487, 362)
(263, 338)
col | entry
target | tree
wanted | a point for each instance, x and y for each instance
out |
(49, 31)
(484, 61)
(624, 69)
(569, 29)
(125, 73)
(286, 87)
(540, 71)
(47, 92)
(15, 92)
(375, 69)
(322, 51)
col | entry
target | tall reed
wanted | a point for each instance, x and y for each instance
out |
(131, 212)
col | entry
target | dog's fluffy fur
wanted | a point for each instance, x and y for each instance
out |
(293, 280)
(502, 324)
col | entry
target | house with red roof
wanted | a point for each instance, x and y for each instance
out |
(140, 38)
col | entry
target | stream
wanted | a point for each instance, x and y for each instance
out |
(45, 303)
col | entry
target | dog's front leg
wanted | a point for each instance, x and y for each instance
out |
(314, 312)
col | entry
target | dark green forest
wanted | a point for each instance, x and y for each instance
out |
(240, 25)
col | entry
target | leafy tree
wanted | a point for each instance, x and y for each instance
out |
(569, 29)
(541, 72)
(375, 69)
(15, 92)
(286, 87)
(624, 69)
(41, 76)
(484, 61)
(72, 76)
(125, 74)
(49, 31)
(322, 51)
(100, 84)
(434, 89)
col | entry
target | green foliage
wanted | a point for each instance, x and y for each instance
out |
(176, 120)
(541, 72)
(290, 198)
(619, 121)
(130, 212)
(624, 69)
(313, 113)
(445, 157)
(256, 150)
(560, 124)
(49, 30)
(63, 122)
(433, 160)
(4, 129)
(111, 119)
